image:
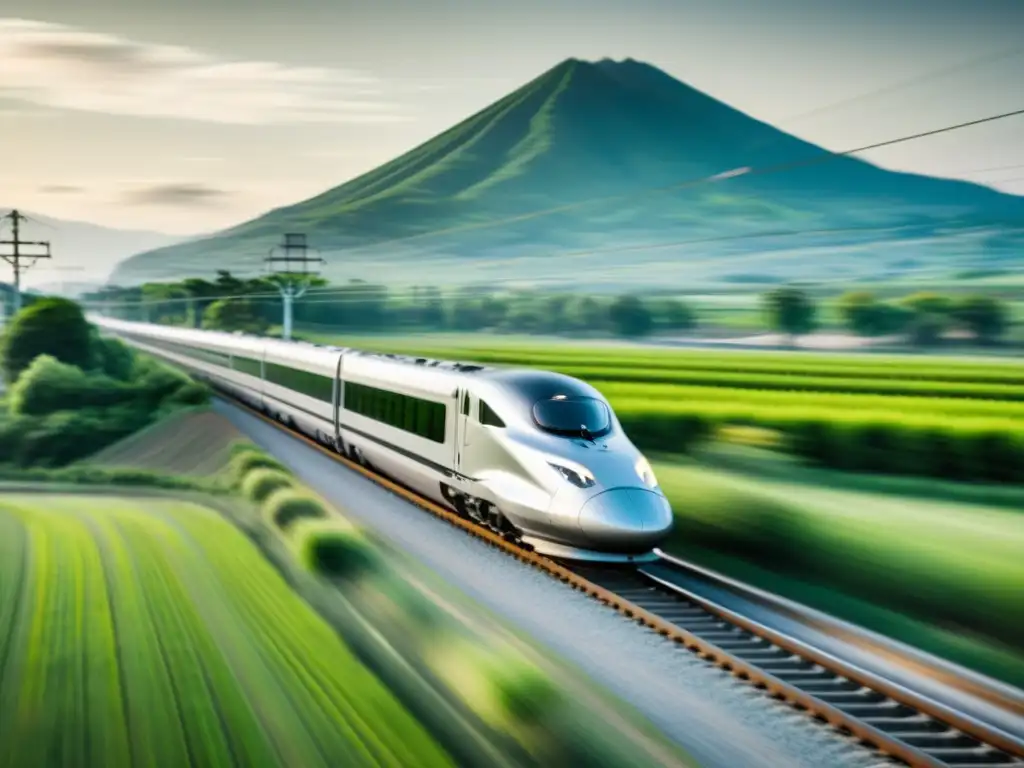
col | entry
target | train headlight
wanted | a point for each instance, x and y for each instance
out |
(581, 478)
(643, 469)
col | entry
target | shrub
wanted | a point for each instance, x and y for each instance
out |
(260, 483)
(336, 551)
(54, 327)
(60, 438)
(48, 386)
(113, 357)
(246, 459)
(192, 393)
(286, 505)
(525, 694)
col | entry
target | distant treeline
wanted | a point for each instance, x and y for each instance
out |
(231, 303)
(921, 319)
(253, 305)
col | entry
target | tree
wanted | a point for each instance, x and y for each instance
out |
(892, 319)
(866, 316)
(630, 316)
(790, 311)
(54, 327)
(234, 315)
(859, 311)
(929, 303)
(585, 313)
(927, 328)
(984, 316)
(675, 315)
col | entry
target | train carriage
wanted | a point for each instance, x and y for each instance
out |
(533, 455)
(398, 419)
(300, 383)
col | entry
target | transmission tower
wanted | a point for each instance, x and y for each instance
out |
(293, 270)
(18, 258)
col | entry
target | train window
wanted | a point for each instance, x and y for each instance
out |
(410, 414)
(489, 417)
(465, 403)
(206, 355)
(572, 416)
(313, 385)
(247, 365)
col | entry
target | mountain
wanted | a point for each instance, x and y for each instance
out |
(607, 145)
(82, 253)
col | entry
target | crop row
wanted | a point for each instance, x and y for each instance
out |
(929, 445)
(746, 362)
(799, 384)
(193, 650)
(837, 401)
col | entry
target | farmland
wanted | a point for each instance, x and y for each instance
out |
(193, 650)
(195, 443)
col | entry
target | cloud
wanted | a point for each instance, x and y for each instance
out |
(61, 189)
(65, 67)
(175, 194)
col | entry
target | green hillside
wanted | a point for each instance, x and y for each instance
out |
(601, 139)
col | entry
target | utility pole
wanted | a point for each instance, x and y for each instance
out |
(16, 257)
(294, 277)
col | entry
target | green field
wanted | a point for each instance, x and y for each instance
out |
(152, 632)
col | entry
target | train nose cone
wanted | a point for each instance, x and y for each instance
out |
(630, 517)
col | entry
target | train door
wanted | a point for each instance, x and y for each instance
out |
(461, 431)
(339, 403)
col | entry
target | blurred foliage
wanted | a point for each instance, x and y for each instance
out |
(286, 506)
(53, 327)
(73, 393)
(952, 565)
(790, 311)
(926, 317)
(234, 304)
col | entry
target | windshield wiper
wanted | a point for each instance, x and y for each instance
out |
(585, 433)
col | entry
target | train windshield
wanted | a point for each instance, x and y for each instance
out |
(573, 416)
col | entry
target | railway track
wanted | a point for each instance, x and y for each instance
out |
(898, 723)
(872, 709)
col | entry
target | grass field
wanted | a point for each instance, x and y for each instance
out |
(154, 633)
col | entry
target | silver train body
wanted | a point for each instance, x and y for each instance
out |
(537, 456)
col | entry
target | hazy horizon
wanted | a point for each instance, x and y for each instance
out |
(185, 121)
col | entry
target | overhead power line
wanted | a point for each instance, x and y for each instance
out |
(992, 169)
(899, 86)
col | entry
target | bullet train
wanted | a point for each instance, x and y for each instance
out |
(535, 456)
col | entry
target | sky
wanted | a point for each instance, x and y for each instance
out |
(195, 115)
